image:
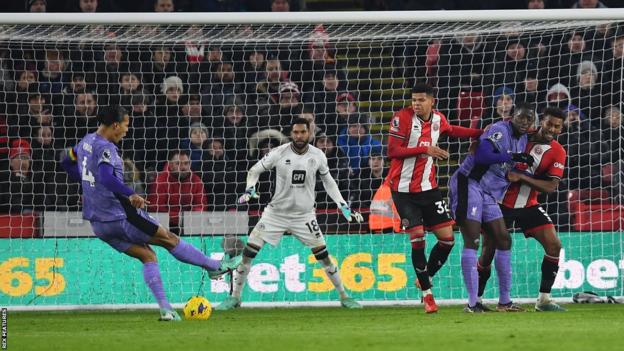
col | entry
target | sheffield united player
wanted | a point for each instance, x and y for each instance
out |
(520, 203)
(412, 147)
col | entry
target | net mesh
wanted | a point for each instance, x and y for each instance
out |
(225, 94)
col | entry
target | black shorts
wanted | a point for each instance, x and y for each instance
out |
(426, 208)
(528, 219)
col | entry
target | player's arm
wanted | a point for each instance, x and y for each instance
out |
(463, 132)
(253, 175)
(106, 177)
(542, 185)
(490, 151)
(334, 193)
(70, 165)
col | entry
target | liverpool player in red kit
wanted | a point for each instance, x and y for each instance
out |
(520, 203)
(412, 147)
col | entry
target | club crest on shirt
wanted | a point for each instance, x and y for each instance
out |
(496, 136)
(106, 156)
(538, 150)
(311, 163)
(436, 126)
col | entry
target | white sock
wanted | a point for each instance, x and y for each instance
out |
(426, 292)
(543, 298)
(334, 276)
(240, 277)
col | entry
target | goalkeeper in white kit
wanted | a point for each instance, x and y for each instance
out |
(292, 208)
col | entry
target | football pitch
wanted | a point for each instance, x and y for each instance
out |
(583, 327)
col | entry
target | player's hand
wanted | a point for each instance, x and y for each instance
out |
(437, 153)
(249, 194)
(523, 157)
(137, 201)
(351, 215)
(513, 176)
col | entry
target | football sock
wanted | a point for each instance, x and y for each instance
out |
(187, 253)
(240, 277)
(502, 261)
(484, 276)
(550, 267)
(439, 254)
(151, 275)
(469, 271)
(419, 261)
(334, 276)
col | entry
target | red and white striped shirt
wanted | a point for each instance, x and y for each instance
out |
(416, 172)
(549, 162)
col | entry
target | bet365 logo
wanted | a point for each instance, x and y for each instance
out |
(298, 177)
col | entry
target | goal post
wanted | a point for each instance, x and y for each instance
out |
(224, 87)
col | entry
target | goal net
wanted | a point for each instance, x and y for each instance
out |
(208, 100)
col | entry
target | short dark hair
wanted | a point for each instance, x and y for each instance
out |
(422, 88)
(524, 106)
(300, 120)
(554, 112)
(177, 152)
(111, 114)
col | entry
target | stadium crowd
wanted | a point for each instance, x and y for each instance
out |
(201, 114)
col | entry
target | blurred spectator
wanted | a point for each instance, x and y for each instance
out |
(558, 96)
(191, 112)
(612, 72)
(132, 177)
(195, 145)
(345, 106)
(36, 5)
(502, 106)
(21, 195)
(26, 81)
(462, 65)
(280, 115)
(583, 146)
(159, 67)
(177, 189)
(585, 93)
(88, 5)
(612, 161)
(44, 157)
(53, 76)
(267, 89)
(232, 128)
(223, 85)
(364, 186)
(146, 141)
(338, 164)
(76, 85)
(532, 90)
(536, 4)
(357, 144)
(129, 84)
(219, 176)
(588, 4)
(164, 6)
(510, 70)
(80, 119)
(325, 92)
(280, 5)
(254, 69)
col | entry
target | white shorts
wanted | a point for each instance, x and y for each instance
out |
(272, 226)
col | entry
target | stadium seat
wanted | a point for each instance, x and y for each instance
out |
(19, 226)
(470, 108)
(591, 210)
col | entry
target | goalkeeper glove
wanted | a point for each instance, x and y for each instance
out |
(350, 215)
(523, 157)
(249, 194)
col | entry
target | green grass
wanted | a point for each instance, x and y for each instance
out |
(583, 327)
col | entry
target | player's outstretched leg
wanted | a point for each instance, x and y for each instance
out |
(550, 266)
(151, 275)
(419, 262)
(240, 277)
(322, 256)
(187, 253)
